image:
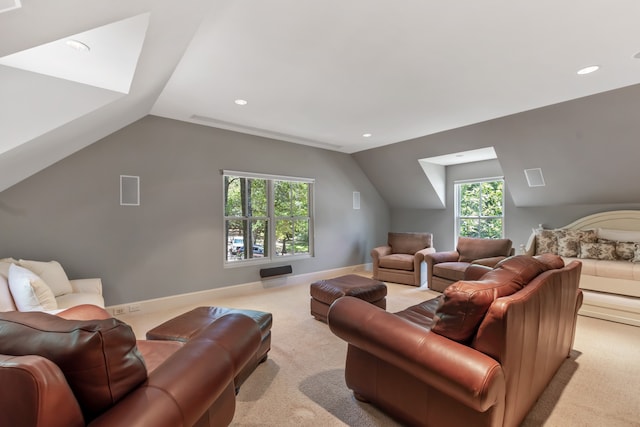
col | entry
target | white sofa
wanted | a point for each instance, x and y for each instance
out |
(611, 287)
(27, 285)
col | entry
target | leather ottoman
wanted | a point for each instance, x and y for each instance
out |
(325, 292)
(183, 327)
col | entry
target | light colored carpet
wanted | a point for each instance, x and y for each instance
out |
(302, 381)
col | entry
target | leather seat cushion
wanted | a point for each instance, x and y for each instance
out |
(450, 270)
(397, 262)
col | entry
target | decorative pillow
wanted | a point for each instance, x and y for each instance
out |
(30, 292)
(464, 304)
(625, 250)
(589, 236)
(636, 254)
(568, 242)
(546, 241)
(99, 358)
(606, 251)
(619, 235)
(52, 273)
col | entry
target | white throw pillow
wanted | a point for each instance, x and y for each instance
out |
(30, 292)
(52, 273)
(619, 235)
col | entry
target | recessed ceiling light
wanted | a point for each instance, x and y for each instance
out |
(588, 70)
(366, 135)
(77, 45)
(240, 102)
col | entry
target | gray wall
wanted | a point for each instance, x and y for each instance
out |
(519, 221)
(173, 242)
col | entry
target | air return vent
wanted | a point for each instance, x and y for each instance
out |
(534, 177)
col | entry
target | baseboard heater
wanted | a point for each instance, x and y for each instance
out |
(276, 271)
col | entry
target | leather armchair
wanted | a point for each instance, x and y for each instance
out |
(401, 260)
(50, 379)
(445, 268)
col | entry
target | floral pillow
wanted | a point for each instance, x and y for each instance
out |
(546, 242)
(624, 250)
(636, 253)
(601, 250)
(569, 241)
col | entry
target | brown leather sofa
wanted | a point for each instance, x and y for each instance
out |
(479, 355)
(58, 371)
(445, 268)
(401, 260)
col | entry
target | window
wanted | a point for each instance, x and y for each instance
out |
(480, 208)
(266, 217)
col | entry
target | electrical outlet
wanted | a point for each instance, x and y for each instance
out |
(134, 307)
(118, 311)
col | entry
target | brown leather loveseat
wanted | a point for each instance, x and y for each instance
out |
(479, 355)
(64, 372)
(445, 268)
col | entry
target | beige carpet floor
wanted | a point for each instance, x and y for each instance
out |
(302, 382)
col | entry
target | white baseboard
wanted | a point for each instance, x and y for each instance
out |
(175, 301)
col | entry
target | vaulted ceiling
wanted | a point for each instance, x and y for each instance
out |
(317, 73)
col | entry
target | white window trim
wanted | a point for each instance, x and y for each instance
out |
(456, 218)
(271, 219)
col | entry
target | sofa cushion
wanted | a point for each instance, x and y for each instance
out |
(450, 270)
(397, 262)
(99, 358)
(6, 300)
(546, 241)
(29, 291)
(77, 298)
(408, 243)
(471, 248)
(619, 235)
(52, 273)
(601, 250)
(465, 303)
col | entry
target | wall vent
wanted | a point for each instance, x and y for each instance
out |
(276, 271)
(534, 177)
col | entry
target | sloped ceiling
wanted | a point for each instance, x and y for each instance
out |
(448, 76)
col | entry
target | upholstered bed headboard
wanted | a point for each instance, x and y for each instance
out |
(616, 220)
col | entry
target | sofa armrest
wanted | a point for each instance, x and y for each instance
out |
(422, 253)
(183, 387)
(87, 286)
(35, 392)
(449, 367)
(376, 253)
(489, 262)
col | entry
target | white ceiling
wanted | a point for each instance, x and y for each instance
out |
(318, 73)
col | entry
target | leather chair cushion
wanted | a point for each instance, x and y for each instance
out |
(408, 243)
(465, 303)
(397, 262)
(471, 249)
(450, 270)
(99, 358)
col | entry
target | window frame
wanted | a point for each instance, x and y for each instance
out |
(457, 200)
(270, 218)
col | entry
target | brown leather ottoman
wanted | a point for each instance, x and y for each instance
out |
(325, 292)
(185, 326)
